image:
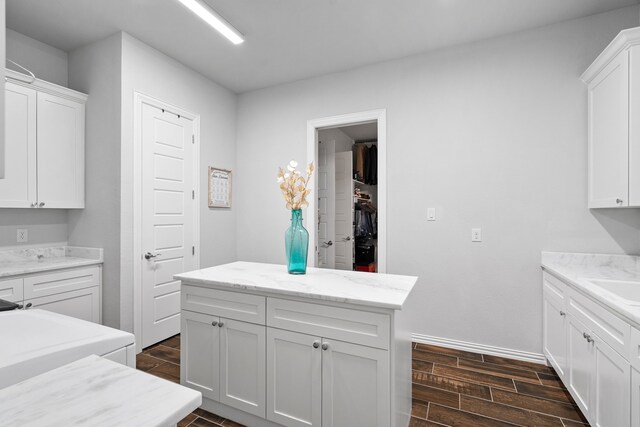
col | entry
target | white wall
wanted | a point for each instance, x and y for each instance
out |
(44, 226)
(96, 69)
(46, 62)
(152, 73)
(492, 134)
(343, 142)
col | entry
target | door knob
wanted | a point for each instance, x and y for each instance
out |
(346, 239)
(149, 255)
(327, 244)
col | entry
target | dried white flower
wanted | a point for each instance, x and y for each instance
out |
(293, 164)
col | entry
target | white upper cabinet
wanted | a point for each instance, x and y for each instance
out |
(613, 82)
(44, 142)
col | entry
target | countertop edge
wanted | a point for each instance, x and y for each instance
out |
(40, 269)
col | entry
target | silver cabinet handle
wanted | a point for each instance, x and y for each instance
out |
(214, 323)
(41, 205)
(587, 337)
(562, 313)
(220, 324)
(28, 306)
(34, 204)
(619, 201)
(325, 346)
(316, 344)
(149, 255)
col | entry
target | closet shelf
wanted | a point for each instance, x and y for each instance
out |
(355, 181)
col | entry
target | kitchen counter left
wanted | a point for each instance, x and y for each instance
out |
(16, 262)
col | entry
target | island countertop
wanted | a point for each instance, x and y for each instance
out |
(352, 287)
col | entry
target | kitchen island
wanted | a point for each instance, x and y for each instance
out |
(266, 348)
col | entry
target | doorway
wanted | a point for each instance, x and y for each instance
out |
(347, 214)
(165, 217)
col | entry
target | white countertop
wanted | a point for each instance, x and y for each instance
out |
(15, 262)
(577, 269)
(96, 392)
(353, 287)
(35, 341)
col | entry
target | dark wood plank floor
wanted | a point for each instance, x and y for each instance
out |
(450, 388)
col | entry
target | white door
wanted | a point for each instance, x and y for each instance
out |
(355, 385)
(580, 364)
(326, 204)
(294, 363)
(18, 187)
(60, 152)
(609, 135)
(635, 398)
(242, 366)
(344, 211)
(555, 334)
(200, 353)
(612, 376)
(167, 227)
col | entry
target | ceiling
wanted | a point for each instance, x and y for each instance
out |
(288, 40)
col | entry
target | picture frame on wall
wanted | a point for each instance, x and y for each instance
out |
(219, 188)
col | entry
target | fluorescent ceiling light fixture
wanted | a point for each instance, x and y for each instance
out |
(209, 16)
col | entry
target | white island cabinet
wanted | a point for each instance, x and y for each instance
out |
(328, 348)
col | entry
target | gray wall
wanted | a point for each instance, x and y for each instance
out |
(46, 62)
(492, 134)
(152, 73)
(96, 69)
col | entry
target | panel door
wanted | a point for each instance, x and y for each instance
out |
(344, 211)
(326, 204)
(18, 186)
(167, 219)
(82, 304)
(580, 364)
(294, 378)
(612, 376)
(60, 152)
(243, 366)
(355, 385)
(609, 135)
(200, 353)
(555, 334)
(635, 398)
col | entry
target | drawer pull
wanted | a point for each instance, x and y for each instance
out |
(325, 346)
(562, 313)
(214, 323)
(316, 344)
(220, 324)
(587, 337)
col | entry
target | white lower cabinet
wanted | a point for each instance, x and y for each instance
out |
(555, 334)
(224, 360)
(581, 366)
(611, 387)
(82, 303)
(635, 398)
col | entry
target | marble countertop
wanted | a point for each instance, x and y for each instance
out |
(577, 270)
(352, 287)
(15, 262)
(97, 392)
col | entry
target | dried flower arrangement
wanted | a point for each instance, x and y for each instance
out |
(294, 186)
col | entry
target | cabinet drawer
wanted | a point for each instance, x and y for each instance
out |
(232, 305)
(611, 329)
(553, 288)
(358, 327)
(634, 357)
(63, 281)
(81, 303)
(11, 290)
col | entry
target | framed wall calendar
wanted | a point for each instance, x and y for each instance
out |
(219, 188)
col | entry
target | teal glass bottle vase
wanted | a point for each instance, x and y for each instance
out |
(296, 242)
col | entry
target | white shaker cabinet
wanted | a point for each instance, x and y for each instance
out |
(613, 82)
(635, 398)
(554, 318)
(580, 367)
(44, 140)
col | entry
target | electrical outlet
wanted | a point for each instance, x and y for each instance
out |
(431, 214)
(476, 235)
(23, 235)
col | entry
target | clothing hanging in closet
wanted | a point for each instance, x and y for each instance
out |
(366, 164)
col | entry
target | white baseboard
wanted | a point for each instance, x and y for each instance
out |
(481, 348)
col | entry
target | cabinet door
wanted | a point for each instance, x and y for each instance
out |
(611, 387)
(293, 378)
(580, 365)
(355, 385)
(609, 135)
(635, 398)
(60, 152)
(555, 334)
(82, 303)
(200, 353)
(243, 366)
(18, 187)
(12, 290)
(634, 126)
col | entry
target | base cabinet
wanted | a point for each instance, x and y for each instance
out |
(555, 334)
(224, 360)
(580, 370)
(635, 398)
(611, 386)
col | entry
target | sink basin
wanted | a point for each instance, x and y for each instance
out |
(627, 291)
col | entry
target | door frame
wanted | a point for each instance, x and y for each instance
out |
(141, 99)
(311, 220)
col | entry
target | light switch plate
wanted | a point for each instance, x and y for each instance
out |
(476, 235)
(23, 235)
(431, 214)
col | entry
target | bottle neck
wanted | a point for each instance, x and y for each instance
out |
(296, 216)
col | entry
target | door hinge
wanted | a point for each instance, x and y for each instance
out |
(193, 139)
(193, 250)
(193, 194)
